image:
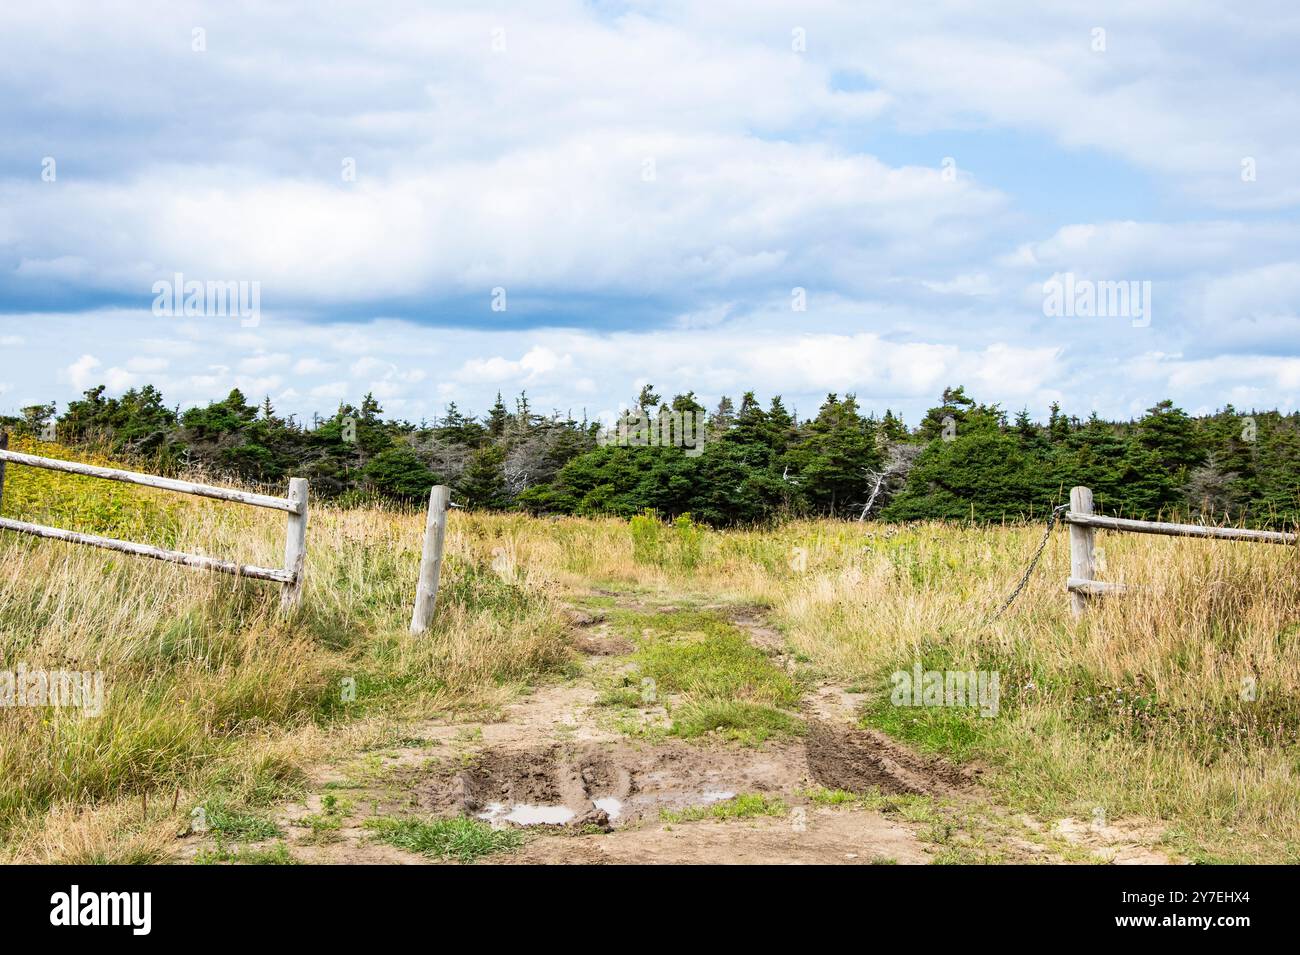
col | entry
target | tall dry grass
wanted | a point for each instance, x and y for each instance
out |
(1179, 702)
(1140, 708)
(205, 680)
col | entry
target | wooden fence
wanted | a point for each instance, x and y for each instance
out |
(1083, 526)
(290, 576)
(435, 533)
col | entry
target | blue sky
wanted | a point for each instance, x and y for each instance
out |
(648, 184)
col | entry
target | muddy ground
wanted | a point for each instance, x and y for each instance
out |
(584, 788)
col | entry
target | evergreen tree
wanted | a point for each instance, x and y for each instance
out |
(483, 485)
(498, 417)
(892, 428)
(647, 399)
(759, 462)
(838, 449)
(1171, 437)
(722, 417)
(398, 473)
(688, 402)
(1058, 425)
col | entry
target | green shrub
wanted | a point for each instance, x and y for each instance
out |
(647, 538)
(679, 547)
(688, 542)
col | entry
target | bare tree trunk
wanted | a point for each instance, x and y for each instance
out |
(880, 479)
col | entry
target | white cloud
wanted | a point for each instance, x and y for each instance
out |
(82, 371)
(146, 365)
(539, 363)
(310, 366)
(332, 390)
(724, 209)
(256, 364)
(1185, 92)
(673, 169)
(566, 369)
(1152, 249)
(370, 366)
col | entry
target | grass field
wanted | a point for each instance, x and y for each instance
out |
(1142, 708)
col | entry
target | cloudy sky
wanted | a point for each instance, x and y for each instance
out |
(440, 201)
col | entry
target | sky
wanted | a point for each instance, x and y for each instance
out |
(435, 202)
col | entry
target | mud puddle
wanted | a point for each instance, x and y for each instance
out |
(550, 763)
(604, 784)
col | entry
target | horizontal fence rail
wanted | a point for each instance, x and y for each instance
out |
(1084, 523)
(144, 550)
(150, 480)
(1180, 530)
(1094, 588)
(290, 577)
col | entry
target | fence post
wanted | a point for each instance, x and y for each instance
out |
(4, 446)
(295, 545)
(435, 531)
(1080, 546)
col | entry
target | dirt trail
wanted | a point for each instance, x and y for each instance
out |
(556, 766)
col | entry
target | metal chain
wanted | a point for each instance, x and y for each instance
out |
(1033, 562)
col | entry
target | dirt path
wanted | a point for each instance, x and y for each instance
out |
(586, 782)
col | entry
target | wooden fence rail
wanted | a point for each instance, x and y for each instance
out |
(1083, 524)
(290, 577)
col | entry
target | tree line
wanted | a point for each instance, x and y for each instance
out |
(963, 460)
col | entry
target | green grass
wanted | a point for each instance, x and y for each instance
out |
(462, 838)
(959, 733)
(325, 825)
(700, 654)
(234, 824)
(679, 545)
(835, 797)
(722, 683)
(744, 806)
(913, 808)
(277, 854)
(625, 697)
(747, 723)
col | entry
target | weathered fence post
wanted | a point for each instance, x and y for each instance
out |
(295, 545)
(4, 446)
(435, 531)
(1081, 538)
